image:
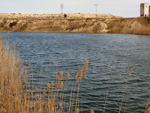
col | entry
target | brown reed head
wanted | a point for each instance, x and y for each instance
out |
(67, 77)
(85, 67)
(129, 70)
(77, 110)
(61, 85)
(48, 87)
(92, 111)
(61, 75)
(28, 73)
(79, 75)
(57, 81)
(147, 110)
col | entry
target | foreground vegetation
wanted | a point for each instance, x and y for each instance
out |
(17, 96)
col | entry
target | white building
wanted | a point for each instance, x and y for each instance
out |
(144, 9)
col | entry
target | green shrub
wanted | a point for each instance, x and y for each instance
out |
(65, 15)
(13, 24)
(1, 24)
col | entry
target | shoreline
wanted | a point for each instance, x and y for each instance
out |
(81, 33)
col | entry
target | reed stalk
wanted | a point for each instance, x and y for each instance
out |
(107, 94)
(125, 86)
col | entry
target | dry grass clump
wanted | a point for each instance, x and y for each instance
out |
(10, 80)
(143, 29)
(147, 110)
(115, 26)
(138, 26)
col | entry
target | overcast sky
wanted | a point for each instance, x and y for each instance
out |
(125, 8)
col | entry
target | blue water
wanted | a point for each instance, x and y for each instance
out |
(109, 55)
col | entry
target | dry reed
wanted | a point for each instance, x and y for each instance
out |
(11, 82)
(107, 94)
(14, 97)
(125, 85)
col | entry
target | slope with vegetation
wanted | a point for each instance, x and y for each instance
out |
(74, 23)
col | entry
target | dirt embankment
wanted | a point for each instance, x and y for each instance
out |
(82, 23)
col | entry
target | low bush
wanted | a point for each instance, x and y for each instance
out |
(1, 24)
(65, 15)
(13, 24)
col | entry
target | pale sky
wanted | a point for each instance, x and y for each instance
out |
(125, 8)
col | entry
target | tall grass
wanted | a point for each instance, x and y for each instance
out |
(11, 83)
(17, 96)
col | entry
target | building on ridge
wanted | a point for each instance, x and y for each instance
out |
(144, 9)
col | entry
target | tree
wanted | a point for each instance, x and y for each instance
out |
(65, 15)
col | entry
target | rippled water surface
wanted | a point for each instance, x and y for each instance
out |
(109, 56)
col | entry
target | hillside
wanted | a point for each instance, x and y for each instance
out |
(74, 23)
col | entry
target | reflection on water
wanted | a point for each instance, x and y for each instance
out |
(109, 56)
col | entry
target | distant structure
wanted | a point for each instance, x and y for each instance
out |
(96, 8)
(61, 8)
(144, 9)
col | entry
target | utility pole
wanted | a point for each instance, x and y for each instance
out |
(61, 8)
(96, 8)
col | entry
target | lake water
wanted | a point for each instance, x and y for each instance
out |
(109, 55)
